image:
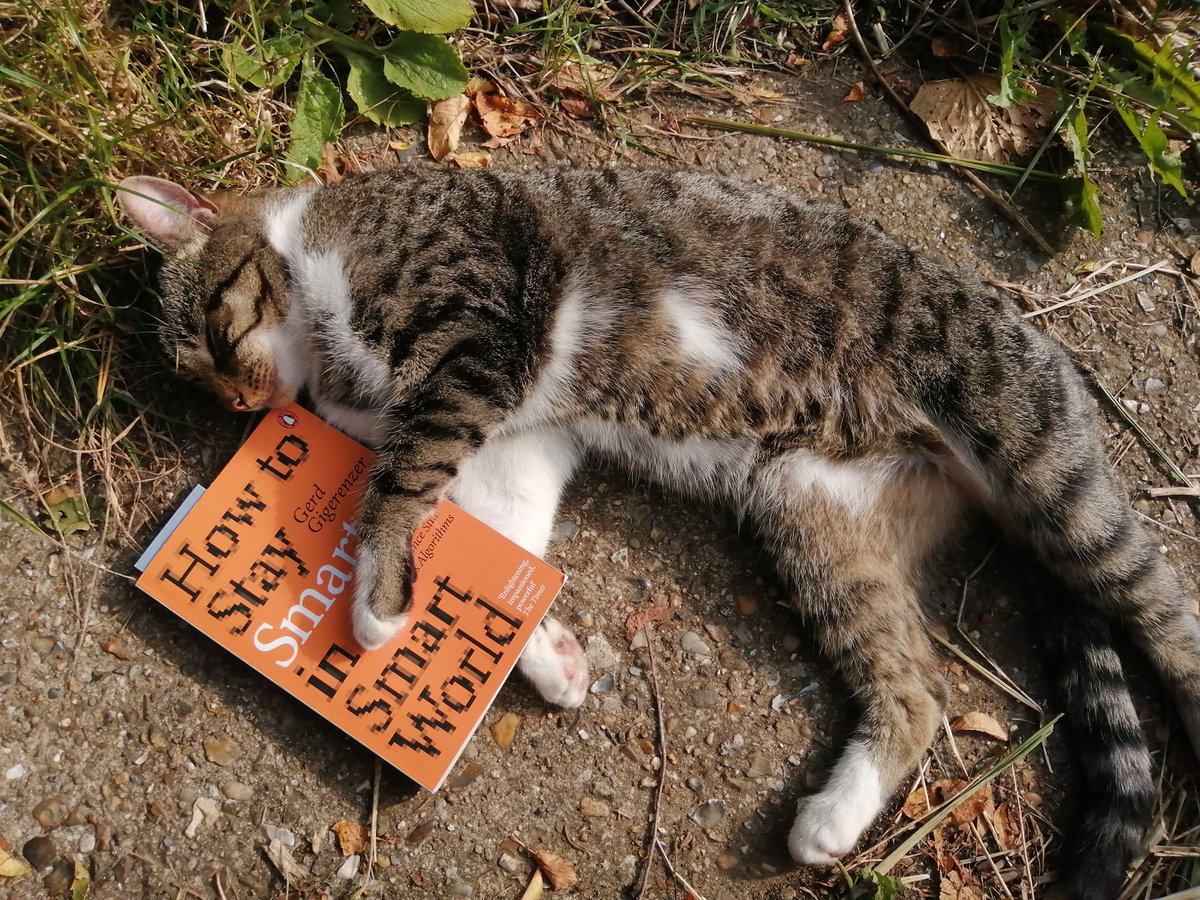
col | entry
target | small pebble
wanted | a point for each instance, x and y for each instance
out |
(15, 773)
(222, 750)
(236, 790)
(461, 889)
(727, 862)
(40, 851)
(285, 837)
(590, 806)
(508, 862)
(747, 605)
(349, 868)
(87, 843)
(603, 684)
(58, 880)
(51, 812)
(705, 698)
(694, 644)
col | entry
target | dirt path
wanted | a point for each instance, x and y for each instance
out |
(107, 752)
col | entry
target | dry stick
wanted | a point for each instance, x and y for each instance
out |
(1006, 206)
(695, 894)
(1101, 289)
(662, 769)
(374, 815)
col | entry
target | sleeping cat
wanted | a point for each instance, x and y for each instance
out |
(486, 331)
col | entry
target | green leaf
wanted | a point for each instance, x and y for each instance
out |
(377, 98)
(1087, 198)
(318, 119)
(867, 884)
(1168, 166)
(425, 64)
(268, 64)
(424, 16)
(1012, 42)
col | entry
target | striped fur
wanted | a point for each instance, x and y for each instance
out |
(845, 395)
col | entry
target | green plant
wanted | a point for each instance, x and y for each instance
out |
(396, 59)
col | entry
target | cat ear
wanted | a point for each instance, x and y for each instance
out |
(172, 216)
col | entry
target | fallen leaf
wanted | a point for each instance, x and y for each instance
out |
(857, 94)
(471, 160)
(576, 107)
(399, 146)
(533, 890)
(80, 881)
(504, 730)
(328, 169)
(560, 873)
(281, 858)
(417, 878)
(643, 617)
(956, 885)
(496, 143)
(838, 32)
(503, 116)
(446, 120)
(924, 800)
(352, 837)
(957, 113)
(1003, 826)
(973, 807)
(68, 511)
(1195, 263)
(980, 723)
(12, 866)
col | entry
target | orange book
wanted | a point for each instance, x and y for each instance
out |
(263, 563)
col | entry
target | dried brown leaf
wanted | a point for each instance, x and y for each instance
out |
(838, 32)
(643, 617)
(576, 107)
(281, 857)
(980, 723)
(857, 94)
(959, 885)
(471, 159)
(352, 837)
(503, 116)
(328, 169)
(115, 645)
(973, 807)
(446, 120)
(957, 113)
(560, 873)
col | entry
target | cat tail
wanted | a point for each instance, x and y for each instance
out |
(1020, 417)
(1115, 793)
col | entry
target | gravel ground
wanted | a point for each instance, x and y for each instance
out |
(131, 744)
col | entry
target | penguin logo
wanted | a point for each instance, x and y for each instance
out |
(287, 420)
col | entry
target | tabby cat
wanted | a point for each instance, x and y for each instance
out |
(486, 331)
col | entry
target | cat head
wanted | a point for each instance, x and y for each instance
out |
(223, 289)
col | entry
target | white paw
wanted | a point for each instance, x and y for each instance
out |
(370, 631)
(829, 823)
(555, 665)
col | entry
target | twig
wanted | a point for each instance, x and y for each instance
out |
(695, 894)
(1174, 491)
(983, 672)
(374, 816)
(220, 890)
(662, 769)
(1005, 205)
(1132, 276)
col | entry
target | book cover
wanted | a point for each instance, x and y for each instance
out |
(263, 562)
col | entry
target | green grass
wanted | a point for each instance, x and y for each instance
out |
(87, 96)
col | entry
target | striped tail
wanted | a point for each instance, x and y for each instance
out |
(1114, 797)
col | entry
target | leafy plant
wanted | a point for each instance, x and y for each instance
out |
(390, 83)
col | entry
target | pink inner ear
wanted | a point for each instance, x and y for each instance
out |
(171, 215)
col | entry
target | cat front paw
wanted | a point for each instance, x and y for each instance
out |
(830, 822)
(554, 664)
(381, 598)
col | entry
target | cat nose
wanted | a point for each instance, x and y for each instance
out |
(238, 404)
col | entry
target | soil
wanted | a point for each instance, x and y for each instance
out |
(119, 724)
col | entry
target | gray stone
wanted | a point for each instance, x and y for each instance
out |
(708, 814)
(692, 643)
(600, 654)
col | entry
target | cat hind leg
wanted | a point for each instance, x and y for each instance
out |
(847, 547)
